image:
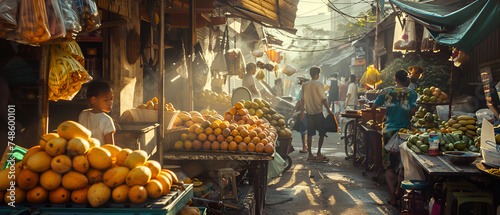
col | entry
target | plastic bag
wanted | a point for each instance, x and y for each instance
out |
(235, 62)
(394, 143)
(200, 67)
(8, 16)
(260, 75)
(258, 51)
(88, 13)
(55, 19)
(427, 41)
(289, 70)
(33, 22)
(70, 19)
(66, 75)
(398, 33)
(371, 77)
(407, 42)
(74, 50)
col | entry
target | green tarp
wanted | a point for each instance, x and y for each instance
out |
(464, 28)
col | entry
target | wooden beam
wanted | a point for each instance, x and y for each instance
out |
(277, 6)
(43, 93)
(184, 10)
(119, 7)
(161, 97)
(113, 23)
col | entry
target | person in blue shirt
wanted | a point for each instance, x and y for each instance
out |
(400, 103)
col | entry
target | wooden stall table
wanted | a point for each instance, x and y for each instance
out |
(257, 168)
(356, 115)
(441, 166)
(373, 141)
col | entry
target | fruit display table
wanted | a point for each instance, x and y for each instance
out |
(257, 168)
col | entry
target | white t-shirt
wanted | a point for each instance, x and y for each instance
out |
(100, 124)
(249, 81)
(313, 94)
(353, 90)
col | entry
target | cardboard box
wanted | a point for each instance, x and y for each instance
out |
(490, 150)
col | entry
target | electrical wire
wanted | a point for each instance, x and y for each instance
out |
(321, 50)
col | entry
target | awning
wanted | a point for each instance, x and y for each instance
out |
(462, 28)
(335, 60)
(275, 13)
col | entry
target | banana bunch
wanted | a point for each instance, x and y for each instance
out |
(66, 75)
(465, 125)
(494, 171)
(33, 21)
(74, 50)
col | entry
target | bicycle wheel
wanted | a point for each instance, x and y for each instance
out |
(349, 138)
(360, 142)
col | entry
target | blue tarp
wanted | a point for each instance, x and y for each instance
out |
(464, 28)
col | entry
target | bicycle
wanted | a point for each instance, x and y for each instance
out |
(349, 140)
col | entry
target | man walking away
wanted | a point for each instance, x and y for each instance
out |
(333, 93)
(352, 94)
(313, 98)
(248, 80)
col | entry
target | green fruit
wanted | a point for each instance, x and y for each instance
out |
(460, 145)
(427, 92)
(424, 148)
(419, 143)
(450, 147)
(408, 144)
(429, 117)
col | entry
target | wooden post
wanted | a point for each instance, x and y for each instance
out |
(190, 48)
(161, 99)
(376, 37)
(43, 93)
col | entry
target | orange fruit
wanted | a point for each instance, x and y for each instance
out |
(193, 127)
(258, 122)
(80, 196)
(37, 195)
(226, 132)
(60, 195)
(256, 140)
(251, 147)
(199, 130)
(221, 138)
(27, 179)
(214, 125)
(257, 130)
(224, 145)
(215, 145)
(188, 144)
(245, 117)
(437, 90)
(259, 147)
(242, 111)
(224, 125)
(218, 131)
(209, 131)
(433, 89)
(250, 121)
(238, 105)
(207, 145)
(262, 135)
(244, 133)
(238, 139)
(268, 148)
(229, 139)
(234, 133)
(242, 146)
(197, 144)
(264, 141)
(247, 139)
(232, 126)
(192, 136)
(252, 134)
(233, 111)
(233, 146)
(137, 194)
(212, 138)
(202, 137)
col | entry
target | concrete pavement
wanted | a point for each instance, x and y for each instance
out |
(336, 187)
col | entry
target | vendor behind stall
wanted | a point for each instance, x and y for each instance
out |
(415, 74)
(400, 102)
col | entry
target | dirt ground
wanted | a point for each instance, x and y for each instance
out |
(335, 187)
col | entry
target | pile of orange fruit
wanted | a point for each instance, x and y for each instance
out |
(237, 132)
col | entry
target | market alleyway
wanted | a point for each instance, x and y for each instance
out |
(336, 187)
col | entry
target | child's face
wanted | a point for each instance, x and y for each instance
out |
(103, 102)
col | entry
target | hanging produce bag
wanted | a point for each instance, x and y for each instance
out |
(371, 77)
(200, 67)
(289, 70)
(33, 22)
(8, 16)
(235, 62)
(66, 75)
(258, 51)
(74, 50)
(88, 13)
(70, 19)
(260, 75)
(407, 42)
(219, 64)
(427, 41)
(273, 55)
(55, 19)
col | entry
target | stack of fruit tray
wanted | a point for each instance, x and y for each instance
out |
(169, 204)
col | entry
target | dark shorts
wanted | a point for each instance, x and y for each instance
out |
(315, 123)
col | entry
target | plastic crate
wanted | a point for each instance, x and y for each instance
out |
(7, 210)
(91, 211)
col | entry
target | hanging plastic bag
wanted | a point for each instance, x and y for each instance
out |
(235, 62)
(55, 19)
(407, 42)
(33, 23)
(70, 19)
(398, 33)
(371, 77)
(427, 41)
(200, 68)
(273, 55)
(8, 16)
(219, 64)
(458, 57)
(258, 51)
(89, 15)
(66, 75)
(74, 50)
(260, 75)
(288, 70)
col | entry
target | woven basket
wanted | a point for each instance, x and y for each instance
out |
(172, 135)
(143, 115)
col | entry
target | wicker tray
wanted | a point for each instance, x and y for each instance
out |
(172, 135)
